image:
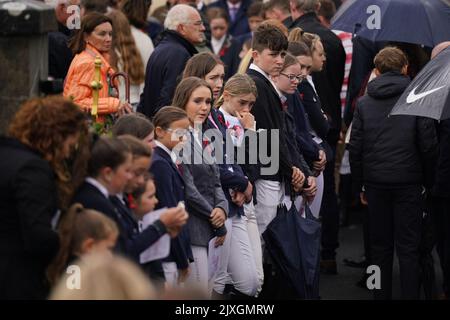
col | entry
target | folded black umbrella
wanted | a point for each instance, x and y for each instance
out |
(293, 243)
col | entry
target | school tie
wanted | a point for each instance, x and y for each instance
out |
(233, 11)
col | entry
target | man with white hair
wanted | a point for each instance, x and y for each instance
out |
(59, 54)
(184, 29)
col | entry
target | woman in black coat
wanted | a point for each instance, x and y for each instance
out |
(34, 185)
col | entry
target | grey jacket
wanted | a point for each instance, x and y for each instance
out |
(203, 193)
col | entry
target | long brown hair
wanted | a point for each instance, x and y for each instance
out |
(136, 11)
(125, 51)
(201, 64)
(76, 226)
(88, 24)
(44, 124)
(185, 89)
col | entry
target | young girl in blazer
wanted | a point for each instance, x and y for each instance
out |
(171, 126)
(205, 200)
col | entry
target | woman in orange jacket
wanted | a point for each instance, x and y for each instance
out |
(93, 39)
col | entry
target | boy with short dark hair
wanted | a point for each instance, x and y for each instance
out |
(269, 46)
(392, 160)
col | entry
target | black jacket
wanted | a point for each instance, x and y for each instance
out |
(28, 202)
(329, 81)
(313, 109)
(390, 151)
(308, 147)
(441, 186)
(59, 54)
(165, 65)
(240, 25)
(269, 115)
(130, 242)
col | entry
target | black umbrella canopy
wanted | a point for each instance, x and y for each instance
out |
(424, 22)
(428, 95)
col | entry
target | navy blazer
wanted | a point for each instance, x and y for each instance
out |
(169, 191)
(231, 175)
(240, 24)
(309, 148)
(130, 242)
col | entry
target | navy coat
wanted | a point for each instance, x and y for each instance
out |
(329, 81)
(59, 55)
(309, 148)
(169, 191)
(130, 242)
(231, 175)
(164, 67)
(240, 24)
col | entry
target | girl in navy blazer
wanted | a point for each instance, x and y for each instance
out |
(171, 125)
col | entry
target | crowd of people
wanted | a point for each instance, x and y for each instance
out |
(239, 69)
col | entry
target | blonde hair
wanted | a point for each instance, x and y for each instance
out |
(239, 84)
(310, 39)
(245, 62)
(106, 278)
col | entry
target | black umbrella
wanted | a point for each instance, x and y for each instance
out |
(424, 22)
(293, 244)
(428, 95)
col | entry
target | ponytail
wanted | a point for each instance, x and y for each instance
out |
(77, 225)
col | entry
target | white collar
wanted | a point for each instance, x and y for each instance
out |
(225, 113)
(234, 5)
(98, 185)
(258, 69)
(217, 44)
(170, 153)
(310, 81)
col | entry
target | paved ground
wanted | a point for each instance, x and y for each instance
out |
(343, 285)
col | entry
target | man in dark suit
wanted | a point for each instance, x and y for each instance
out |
(279, 10)
(184, 30)
(329, 81)
(237, 11)
(59, 54)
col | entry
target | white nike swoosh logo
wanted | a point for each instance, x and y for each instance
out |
(412, 97)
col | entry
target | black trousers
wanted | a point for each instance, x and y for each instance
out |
(329, 210)
(441, 217)
(396, 219)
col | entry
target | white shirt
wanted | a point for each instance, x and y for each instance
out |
(234, 127)
(310, 80)
(217, 44)
(169, 152)
(98, 185)
(234, 5)
(258, 69)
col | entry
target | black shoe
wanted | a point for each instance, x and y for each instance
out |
(328, 267)
(237, 295)
(356, 264)
(223, 296)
